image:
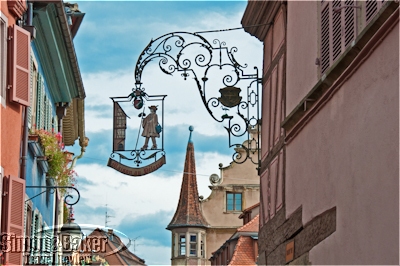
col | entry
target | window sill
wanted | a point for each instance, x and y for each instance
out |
(232, 212)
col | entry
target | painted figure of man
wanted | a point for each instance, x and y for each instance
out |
(149, 128)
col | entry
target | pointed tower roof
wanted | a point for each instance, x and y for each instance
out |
(188, 212)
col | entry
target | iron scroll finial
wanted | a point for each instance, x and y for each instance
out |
(54, 187)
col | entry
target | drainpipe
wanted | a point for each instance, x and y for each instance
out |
(30, 14)
(83, 143)
(24, 143)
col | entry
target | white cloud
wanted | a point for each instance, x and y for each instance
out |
(127, 195)
(154, 192)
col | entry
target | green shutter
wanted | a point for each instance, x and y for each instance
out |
(40, 112)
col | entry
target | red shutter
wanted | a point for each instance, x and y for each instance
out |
(13, 218)
(20, 65)
(17, 7)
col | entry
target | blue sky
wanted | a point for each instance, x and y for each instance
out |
(108, 44)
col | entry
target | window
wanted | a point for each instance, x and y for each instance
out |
(33, 91)
(193, 245)
(233, 201)
(40, 103)
(202, 251)
(338, 29)
(341, 21)
(182, 245)
(3, 58)
(371, 9)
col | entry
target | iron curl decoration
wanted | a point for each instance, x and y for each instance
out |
(55, 187)
(213, 63)
(138, 156)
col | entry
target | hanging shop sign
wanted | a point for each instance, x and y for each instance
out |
(133, 171)
(146, 154)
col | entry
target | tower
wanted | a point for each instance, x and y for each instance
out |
(188, 226)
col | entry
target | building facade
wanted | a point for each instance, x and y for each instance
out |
(329, 170)
(42, 89)
(242, 247)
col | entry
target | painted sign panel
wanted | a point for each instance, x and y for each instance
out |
(127, 170)
(289, 251)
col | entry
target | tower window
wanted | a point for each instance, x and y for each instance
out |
(182, 245)
(193, 245)
(233, 201)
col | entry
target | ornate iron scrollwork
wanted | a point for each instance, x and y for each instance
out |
(195, 57)
(52, 189)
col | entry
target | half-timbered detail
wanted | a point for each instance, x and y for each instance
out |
(273, 102)
(320, 177)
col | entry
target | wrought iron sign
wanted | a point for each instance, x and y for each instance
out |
(232, 97)
(138, 161)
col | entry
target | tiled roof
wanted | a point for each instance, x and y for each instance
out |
(115, 253)
(188, 212)
(244, 252)
(249, 209)
(252, 226)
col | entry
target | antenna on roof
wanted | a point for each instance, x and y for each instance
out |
(134, 244)
(107, 216)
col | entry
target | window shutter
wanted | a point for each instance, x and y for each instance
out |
(55, 123)
(40, 103)
(14, 206)
(30, 95)
(46, 113)
(3, 58)
(349, 23)
(49, 116)
(34, 239)
(338, 30)
(371, 9)
(20, 65)
(325, 37)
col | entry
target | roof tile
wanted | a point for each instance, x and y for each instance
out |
(188, 212)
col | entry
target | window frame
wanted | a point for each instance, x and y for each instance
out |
(234, 207)
(193, 245)
(182, 244)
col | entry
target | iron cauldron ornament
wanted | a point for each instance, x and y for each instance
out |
(230, 96)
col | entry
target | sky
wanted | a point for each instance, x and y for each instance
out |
(111, 38)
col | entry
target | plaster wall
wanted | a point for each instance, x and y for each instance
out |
(245, 173)
(216, 238)
(302, 51)
(214, 207)
(241, 178)
(11, 122)
(347, 156)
